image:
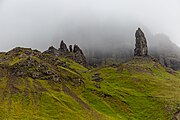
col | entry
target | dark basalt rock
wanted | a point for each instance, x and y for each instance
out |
(63, 48)
(78, 56)
(97, 86)
(141, 44)
(74, 53)
(170, 62)
(96, 77)
(52, 50)
(77, 49)
(70, 48)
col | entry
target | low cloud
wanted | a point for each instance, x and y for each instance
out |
(91, 23)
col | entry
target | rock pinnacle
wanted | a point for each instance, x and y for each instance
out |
(141, 48)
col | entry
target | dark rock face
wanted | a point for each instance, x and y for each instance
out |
(77, 49)
(52, 51)
(74, 53)
(170, 62)
(141, 44)
(63, 48)
(70, 48)
(96, 77)
(78, 56)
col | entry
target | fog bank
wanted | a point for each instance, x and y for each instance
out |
(89, 23)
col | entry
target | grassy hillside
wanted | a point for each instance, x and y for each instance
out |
(139, 89)
(45, 87)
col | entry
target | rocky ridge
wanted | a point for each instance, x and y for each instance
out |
(74, 52)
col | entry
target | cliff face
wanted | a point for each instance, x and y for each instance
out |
(165, 51)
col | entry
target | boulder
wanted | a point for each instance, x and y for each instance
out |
(97, 86)
(96, 77)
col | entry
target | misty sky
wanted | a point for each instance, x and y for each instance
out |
(41, 23)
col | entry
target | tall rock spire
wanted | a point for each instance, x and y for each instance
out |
(141, 48)
(70, 48)
(63, 48)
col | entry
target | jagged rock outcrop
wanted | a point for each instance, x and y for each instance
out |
(70, 48)
(63, 48)
(141, 44)
(52, 50)
(74, 53)
(78, 56)
(77, 49)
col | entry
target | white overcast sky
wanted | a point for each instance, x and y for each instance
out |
(37, 23)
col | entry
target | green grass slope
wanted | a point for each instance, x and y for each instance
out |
(140, 89)
(36, 86)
